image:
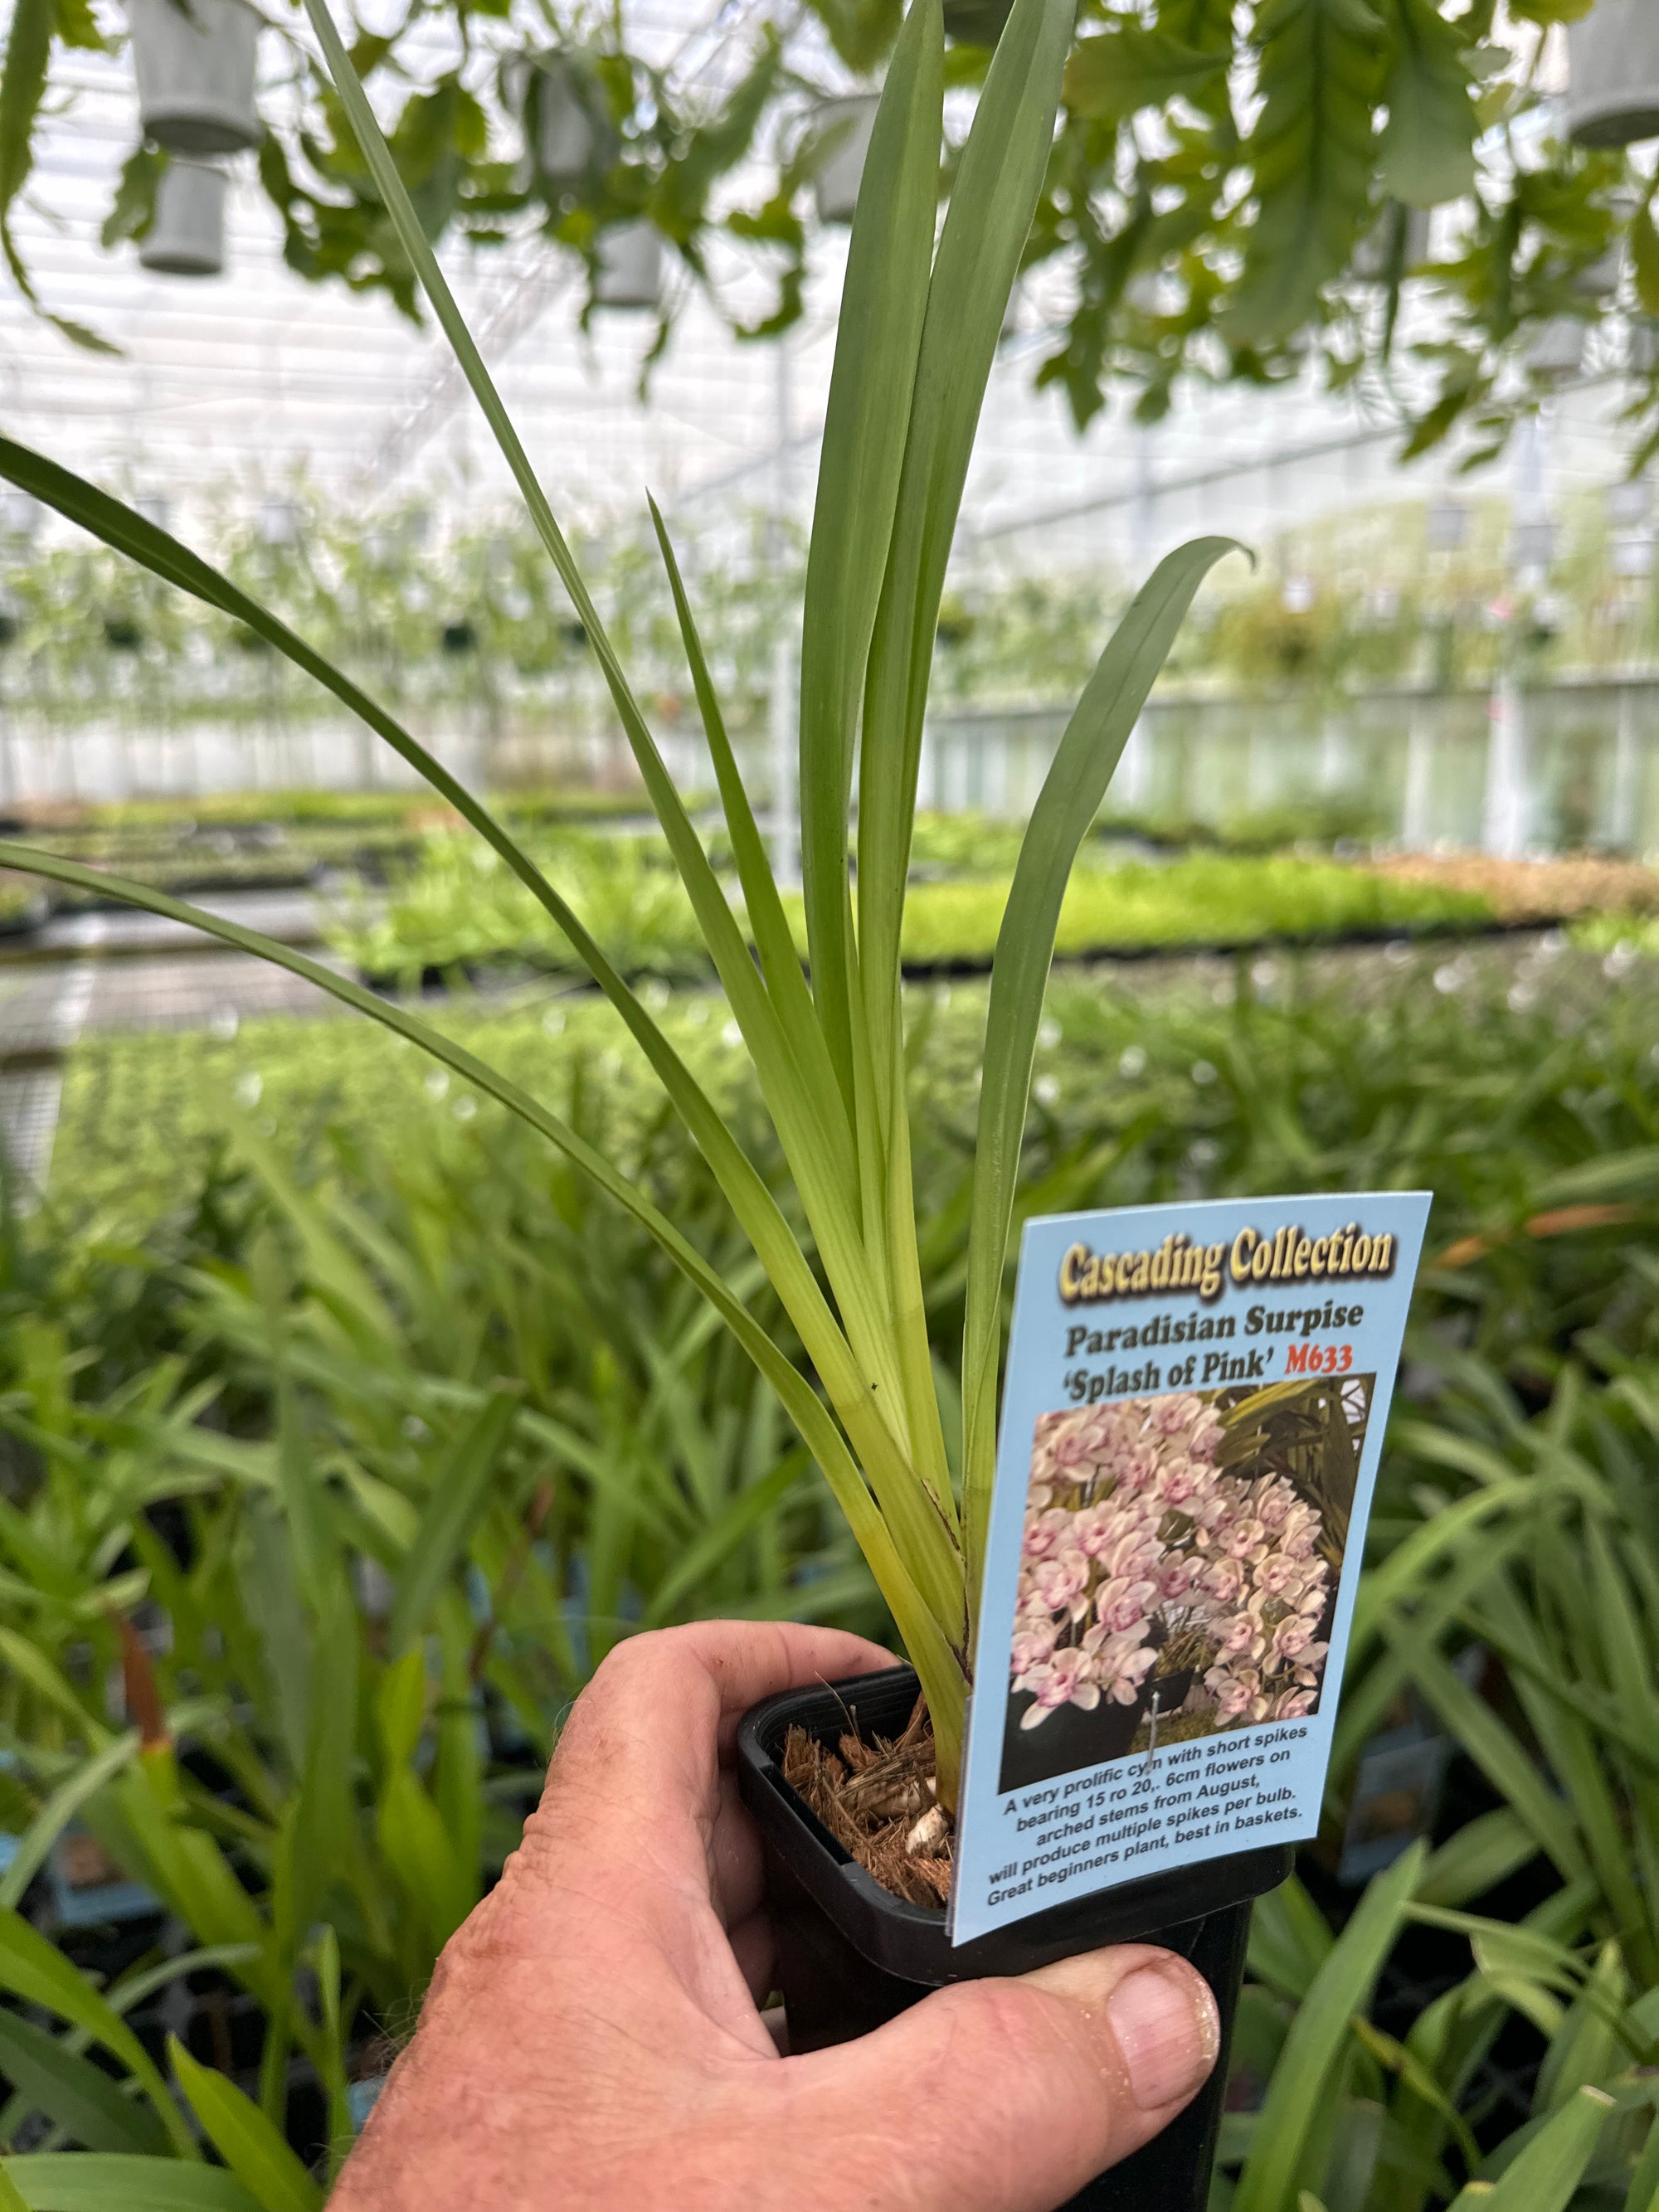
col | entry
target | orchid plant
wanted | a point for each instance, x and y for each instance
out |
(923, 307)
(1142, 1558)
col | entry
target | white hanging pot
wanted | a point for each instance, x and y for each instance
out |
(1629, 502)
(187, 238)
(277, 522)
(20, 516)
(194, 61)
(843, 128)
(1557, 351)
(629, 273)
(567, 135)
(1612, 75)
(1532, 545)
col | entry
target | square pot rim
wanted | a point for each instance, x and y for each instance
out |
(910, 1941)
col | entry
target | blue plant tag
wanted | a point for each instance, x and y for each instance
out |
(1191, 1424)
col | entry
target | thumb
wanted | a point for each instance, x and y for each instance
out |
(1007, 2096)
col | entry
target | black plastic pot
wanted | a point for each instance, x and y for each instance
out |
(1171, 1691)
(1067, 1740)
(851, 1955)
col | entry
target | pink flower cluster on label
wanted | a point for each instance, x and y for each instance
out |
(1137, 1544)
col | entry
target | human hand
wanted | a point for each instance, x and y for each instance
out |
(591, 2039)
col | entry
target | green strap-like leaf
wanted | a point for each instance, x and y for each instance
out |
(86, 2103)
(1545, 2178)
(1494, 1748)
(1472, 1862)
(55, 1816)
(1313, 2048)
(1407, 1570)
(802, 1091)
(325, 1809)
(458, 1498)
(993, 200)
(746, 1512)
(1290, 1940)
(31, 1665)
(75, 2181)
(867, 417)
(143, 1981)
(1643, 2194)
(37, 1971)
(1066, 805)
(316, 1551)
(773, 940)
(250, 2146)
(128, 532)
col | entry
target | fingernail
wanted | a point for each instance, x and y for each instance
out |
(1167, 2034)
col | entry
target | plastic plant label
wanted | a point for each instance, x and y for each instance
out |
(1191, 1425)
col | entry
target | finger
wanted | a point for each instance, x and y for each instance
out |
(1007, 2096)
(639, 1852)
(646, 1734)
(736, 1864)
(631, 1818)
(756, 1952)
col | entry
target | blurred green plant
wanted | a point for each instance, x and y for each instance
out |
(286, 1380)
(344, 1563)
(458, 907)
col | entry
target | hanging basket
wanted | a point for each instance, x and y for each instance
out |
(195, 61)
(842, 127)
(1532, 545)
(187, 238)
(21, 515)
(629, 272)
(277, 522)
(1629, 502)
(1612, 75)
(1557, 352)
(567, 134)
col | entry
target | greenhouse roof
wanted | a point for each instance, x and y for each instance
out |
(233, 386)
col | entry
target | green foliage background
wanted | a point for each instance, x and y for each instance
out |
(262, 1327)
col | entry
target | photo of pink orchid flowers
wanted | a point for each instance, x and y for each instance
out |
(1180, 1568)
